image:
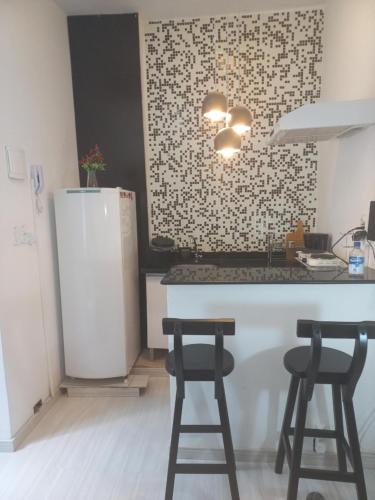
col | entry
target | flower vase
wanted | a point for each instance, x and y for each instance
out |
(92, 181)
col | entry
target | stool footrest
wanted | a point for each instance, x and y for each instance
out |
(348, 451)
(317, 433)
(288, 449)
(201, 469)
(190, 429)
(328, 475)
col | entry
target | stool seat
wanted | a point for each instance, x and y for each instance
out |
(199, 362)
(333, 368)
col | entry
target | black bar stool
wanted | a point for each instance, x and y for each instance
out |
(321, 365)
(200, 362)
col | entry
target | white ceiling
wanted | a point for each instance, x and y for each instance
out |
(162, 9)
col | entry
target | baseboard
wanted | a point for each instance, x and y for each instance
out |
(256, 457)
(12, 444)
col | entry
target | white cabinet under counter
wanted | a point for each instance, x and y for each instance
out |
(266, 304)
(156, 296)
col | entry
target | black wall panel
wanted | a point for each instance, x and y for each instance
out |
(108, 105)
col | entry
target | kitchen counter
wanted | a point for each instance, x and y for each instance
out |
(266, 317)
(282, 272)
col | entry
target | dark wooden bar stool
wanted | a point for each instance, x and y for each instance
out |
(200, 362)
(312, 365)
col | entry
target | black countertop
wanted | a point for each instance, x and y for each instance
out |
(282, 272)
(155, 270)
(161, 262)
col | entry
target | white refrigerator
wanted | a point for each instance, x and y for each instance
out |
(98, 266)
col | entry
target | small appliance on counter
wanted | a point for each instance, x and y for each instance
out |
(315, 260)
(162, 244)
(316, 241)
(311, 244)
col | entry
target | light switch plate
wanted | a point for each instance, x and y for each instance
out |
(16, 161)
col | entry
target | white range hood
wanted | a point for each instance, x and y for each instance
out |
(323, 121)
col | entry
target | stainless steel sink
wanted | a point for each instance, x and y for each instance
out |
(201, 265)
(259, 263)
(237, 263)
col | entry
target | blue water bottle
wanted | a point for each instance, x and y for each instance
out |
(356, 260)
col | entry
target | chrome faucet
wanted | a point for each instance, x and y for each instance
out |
(197, 255)
(269, 243)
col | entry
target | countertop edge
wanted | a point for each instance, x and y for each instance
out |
(295, 282)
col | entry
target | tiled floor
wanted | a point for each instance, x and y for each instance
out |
(117, 448)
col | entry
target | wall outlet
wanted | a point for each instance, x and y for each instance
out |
(22, 237)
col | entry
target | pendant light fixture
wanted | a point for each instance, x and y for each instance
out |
(240, 119)
(227, 142)
(215, 106)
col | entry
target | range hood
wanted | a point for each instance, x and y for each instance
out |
(323, 121)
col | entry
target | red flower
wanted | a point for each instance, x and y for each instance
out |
(93, 160)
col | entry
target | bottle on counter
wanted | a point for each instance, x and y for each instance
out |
(295, 241)
(356, 260)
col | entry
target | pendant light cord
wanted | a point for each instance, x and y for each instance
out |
(237, 59)
(226, 73)
(215, 55)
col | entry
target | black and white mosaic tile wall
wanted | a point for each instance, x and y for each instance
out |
(268, 62)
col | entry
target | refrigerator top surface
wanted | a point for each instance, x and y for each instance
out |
(93, 190)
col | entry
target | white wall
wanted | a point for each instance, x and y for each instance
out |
(37, 114)
(346, 179)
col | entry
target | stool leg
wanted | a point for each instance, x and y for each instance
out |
(288, 415)
(351, 426)
(228, 444)
(174, 448)
(297, 445)
(339, 426)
